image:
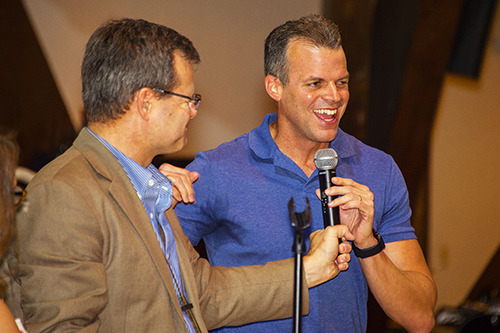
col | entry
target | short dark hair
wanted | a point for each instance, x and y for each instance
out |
(123, 56)
(313, 29)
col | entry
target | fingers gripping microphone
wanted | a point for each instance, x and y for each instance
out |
(326, 161)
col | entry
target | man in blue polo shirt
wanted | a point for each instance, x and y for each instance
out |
(244, 187)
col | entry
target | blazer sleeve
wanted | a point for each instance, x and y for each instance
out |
(232, 296)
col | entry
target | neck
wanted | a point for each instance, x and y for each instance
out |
(125, 139)
(300, 151)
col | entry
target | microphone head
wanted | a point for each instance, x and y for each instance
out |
(326, 159)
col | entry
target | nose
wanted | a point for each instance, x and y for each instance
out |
(332, 93)
(192, 111)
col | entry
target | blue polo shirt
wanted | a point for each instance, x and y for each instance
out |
(241, 212)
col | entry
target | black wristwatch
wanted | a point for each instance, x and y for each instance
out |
(371, 251)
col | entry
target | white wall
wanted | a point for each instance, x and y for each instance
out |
(465, 177)
(228, 34)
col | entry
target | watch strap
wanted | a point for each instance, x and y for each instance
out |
(372, 250)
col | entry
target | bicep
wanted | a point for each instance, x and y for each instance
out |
(198, 219)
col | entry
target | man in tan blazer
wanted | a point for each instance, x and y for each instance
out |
(93, 257)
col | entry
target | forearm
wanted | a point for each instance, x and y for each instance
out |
(407, 294)
(235, 296)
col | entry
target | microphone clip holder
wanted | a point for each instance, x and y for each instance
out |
(302, 220)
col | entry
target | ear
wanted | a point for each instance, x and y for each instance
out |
(143, 99)
(274, 87)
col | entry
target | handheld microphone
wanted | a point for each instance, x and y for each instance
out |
(326, 161)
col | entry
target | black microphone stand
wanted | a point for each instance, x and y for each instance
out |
(300, 221)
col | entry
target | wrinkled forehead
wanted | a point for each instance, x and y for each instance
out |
(307, 62)
(301, 49)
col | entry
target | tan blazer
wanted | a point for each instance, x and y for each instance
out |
(89, 259)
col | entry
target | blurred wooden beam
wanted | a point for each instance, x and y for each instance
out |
(420, 91)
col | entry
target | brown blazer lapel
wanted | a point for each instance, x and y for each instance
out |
(121, 189)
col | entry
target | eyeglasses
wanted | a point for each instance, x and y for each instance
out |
(19, 195)
(194, 101)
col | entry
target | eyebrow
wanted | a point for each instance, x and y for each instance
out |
(317, 78)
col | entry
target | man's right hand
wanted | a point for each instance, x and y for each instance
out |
(182, 182)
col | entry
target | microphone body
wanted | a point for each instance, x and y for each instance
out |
(330, 215)
(326, 161)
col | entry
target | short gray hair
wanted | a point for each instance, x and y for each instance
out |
(123, 56)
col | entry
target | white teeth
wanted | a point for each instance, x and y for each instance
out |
(328, 112)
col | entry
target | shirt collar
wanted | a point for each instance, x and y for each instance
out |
(141, 177)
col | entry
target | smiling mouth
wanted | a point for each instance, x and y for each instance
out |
(326, 114)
